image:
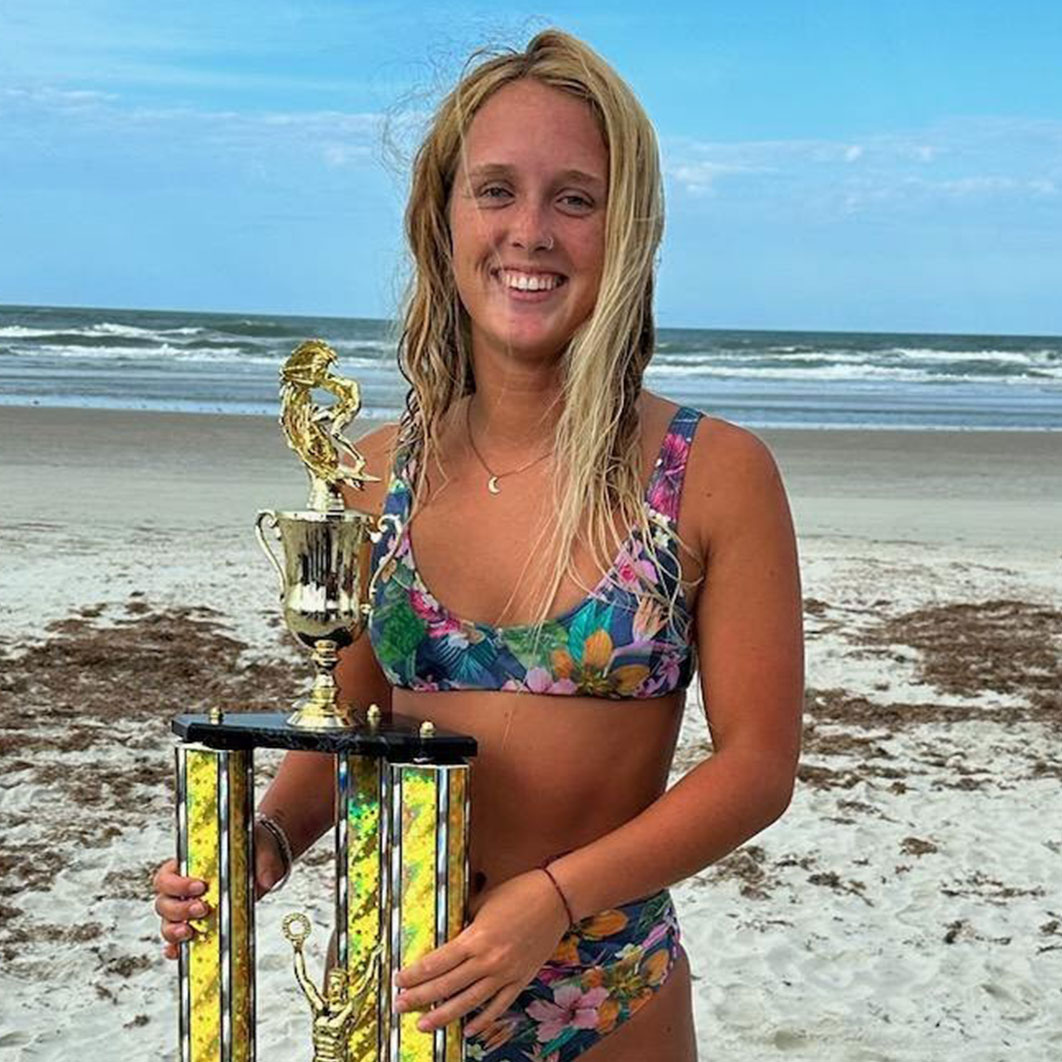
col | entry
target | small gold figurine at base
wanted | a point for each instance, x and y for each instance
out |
(337, 1011)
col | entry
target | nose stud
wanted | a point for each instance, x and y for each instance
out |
(540, 244)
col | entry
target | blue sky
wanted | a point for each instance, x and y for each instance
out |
(890, 167)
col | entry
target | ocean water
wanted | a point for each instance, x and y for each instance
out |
(228, 363)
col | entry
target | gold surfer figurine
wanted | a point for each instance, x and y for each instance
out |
(337, 1011)
(314, 432)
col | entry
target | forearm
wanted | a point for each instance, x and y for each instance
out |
(302, 797)
(711, 811)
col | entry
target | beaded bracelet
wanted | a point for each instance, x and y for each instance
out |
(276, 831)
(560, 892)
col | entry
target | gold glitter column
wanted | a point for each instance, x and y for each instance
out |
(428, 888)
(360, 865)
(216, 968)
(454, 848)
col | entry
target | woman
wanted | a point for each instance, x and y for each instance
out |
(584, 541)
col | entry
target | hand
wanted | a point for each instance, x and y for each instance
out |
(516, 928)
(179, 899)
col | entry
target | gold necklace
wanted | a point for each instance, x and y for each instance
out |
(492, 476)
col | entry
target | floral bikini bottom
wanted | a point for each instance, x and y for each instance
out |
(603, 971)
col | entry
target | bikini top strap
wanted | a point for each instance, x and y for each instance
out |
(397, 504)
(403, 471)
(665, 484)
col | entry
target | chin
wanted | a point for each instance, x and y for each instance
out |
(537, 348)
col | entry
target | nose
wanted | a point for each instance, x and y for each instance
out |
(529, 230)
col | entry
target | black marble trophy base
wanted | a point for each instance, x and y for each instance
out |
(395, 737)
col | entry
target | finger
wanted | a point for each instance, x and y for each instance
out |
(170, 883)
(169, 867)
(171, 951)
(267, 873)
(428, 992)
(494, 1009)
(175, 932)
(171, 910)
(434, 964)
(460, 1005)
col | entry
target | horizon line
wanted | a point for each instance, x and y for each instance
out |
(392, 320)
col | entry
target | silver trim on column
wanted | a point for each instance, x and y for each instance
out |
(442, 880)
(342, 867)
(252, 995)
(467, 831)
(384, 833)
(466, 828)
(396, 898)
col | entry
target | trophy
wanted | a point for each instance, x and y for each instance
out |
(402, 790)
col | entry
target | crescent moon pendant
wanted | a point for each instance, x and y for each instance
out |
(492, 485)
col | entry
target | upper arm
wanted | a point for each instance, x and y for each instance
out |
(377, 448)
(358, 675)
(749, 616)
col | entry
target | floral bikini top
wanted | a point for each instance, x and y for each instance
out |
(617, 642)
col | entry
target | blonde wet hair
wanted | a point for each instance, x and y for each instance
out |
(597, 452)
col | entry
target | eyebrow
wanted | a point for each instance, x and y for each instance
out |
(500, 169)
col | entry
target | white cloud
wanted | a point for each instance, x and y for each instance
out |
(44, 113)
(338, 155)
(699, 178)
(1043, 186)
(46, 99)
(957, 160)
(991, 185)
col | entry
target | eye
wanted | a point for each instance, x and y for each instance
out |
(575, 202)
(496, 193)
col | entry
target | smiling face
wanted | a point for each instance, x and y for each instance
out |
(527, 220)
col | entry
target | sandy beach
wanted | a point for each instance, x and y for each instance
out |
(908, 906)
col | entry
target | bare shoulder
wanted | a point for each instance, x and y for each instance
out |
(377, 447)
(732, 482)
(749, 613)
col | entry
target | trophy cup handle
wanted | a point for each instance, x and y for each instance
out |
(270, 517)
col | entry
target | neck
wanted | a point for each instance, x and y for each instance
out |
(515, 407)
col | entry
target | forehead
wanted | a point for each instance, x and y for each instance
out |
(527, 123)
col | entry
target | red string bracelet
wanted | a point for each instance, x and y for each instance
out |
(560, 892)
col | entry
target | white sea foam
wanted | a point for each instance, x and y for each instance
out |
(169, 354)
(21, 332)
(853, 371)
(1014, 357)
(92, 331)
(108, 328)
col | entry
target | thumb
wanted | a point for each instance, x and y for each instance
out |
(266, 873)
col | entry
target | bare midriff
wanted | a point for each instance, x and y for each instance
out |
(552, 773)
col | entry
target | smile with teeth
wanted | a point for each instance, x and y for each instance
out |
(513, 278)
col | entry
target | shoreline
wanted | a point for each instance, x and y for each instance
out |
(374, 417)
(992, 489)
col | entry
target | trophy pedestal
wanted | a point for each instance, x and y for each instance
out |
(401, 881)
